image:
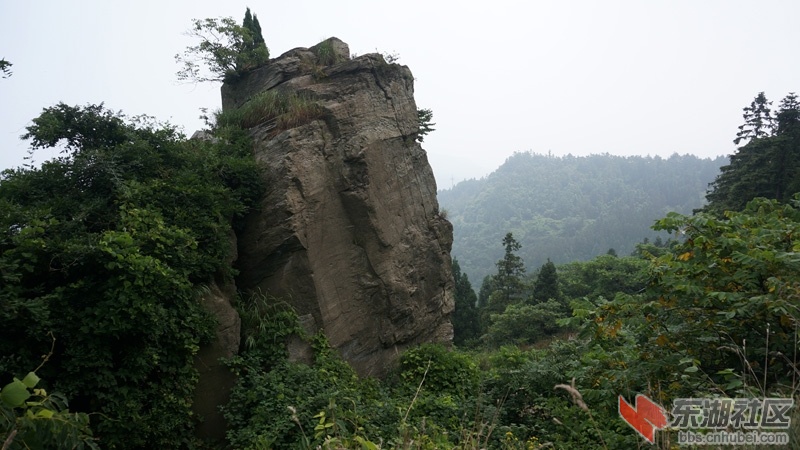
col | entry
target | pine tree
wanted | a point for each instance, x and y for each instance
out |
(759, 121)
(786, 167)
(510, 270)
(487, 287)
(507, 285)
(546, 285)
(425, 121)
(768, 165)
(466, 323)
(788, 117)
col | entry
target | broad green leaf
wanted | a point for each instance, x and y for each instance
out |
(365, 444)
(30, 380)
(15, 393)
(45, 413)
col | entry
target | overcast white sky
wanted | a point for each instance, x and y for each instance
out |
(624, 77)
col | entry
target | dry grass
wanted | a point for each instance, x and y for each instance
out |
(276, 110)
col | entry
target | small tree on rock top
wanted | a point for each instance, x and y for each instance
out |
(226, 49)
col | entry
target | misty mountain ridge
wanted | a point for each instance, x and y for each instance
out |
(567, 208)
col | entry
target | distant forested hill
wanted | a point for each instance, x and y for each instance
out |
(570, 208)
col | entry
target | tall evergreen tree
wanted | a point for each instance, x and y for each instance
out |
(247, 23)
(507, 283)
(487, 287)
(510, 270)
(250, 23)
(546, 285)
(258, 38)
(768, 165)
(758, 118)
(788, 117)
(466, 323)
(787, 148)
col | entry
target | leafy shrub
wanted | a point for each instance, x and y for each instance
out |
(226, 49)
(444, 371)
(32, 418)
(107, 247)
(281, 404)
(525, 324)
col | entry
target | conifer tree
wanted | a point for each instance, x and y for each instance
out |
(546, 285)
(507, 285)
(788, 117)
(768, 165)
(466, 324)
(250, 23)
(510, 270)
(258, 38)
(247, 23)
(758, 118)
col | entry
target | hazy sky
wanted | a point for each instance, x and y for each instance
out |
(623, 77)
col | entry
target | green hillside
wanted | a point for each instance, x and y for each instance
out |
(570, 208)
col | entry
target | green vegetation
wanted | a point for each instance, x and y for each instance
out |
(570, 208)
(32, 418)
(325, 53)
(425, 119)
(226, 50)
(281, 111)
(107, 248)
(732, 283)
(5, 68)
(522, 310)
(768, 165)
(466, 321)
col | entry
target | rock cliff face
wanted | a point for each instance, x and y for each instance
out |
(349, 231)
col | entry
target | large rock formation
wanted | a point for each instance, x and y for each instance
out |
(349, 231)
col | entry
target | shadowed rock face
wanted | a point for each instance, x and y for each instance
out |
(349, 231)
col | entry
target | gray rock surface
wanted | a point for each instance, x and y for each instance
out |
(215, 379)
(349, 231)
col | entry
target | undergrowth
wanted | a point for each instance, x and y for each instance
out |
(562, 396)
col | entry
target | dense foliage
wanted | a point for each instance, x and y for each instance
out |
(436, 399)
(516, 309)
(425, 120)
(225, 50)
(30, 417)
(768, 164)
(714, 312)
(724, 302)
(107, 247)
(465, 318)
(105, 250)
(570, 208)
